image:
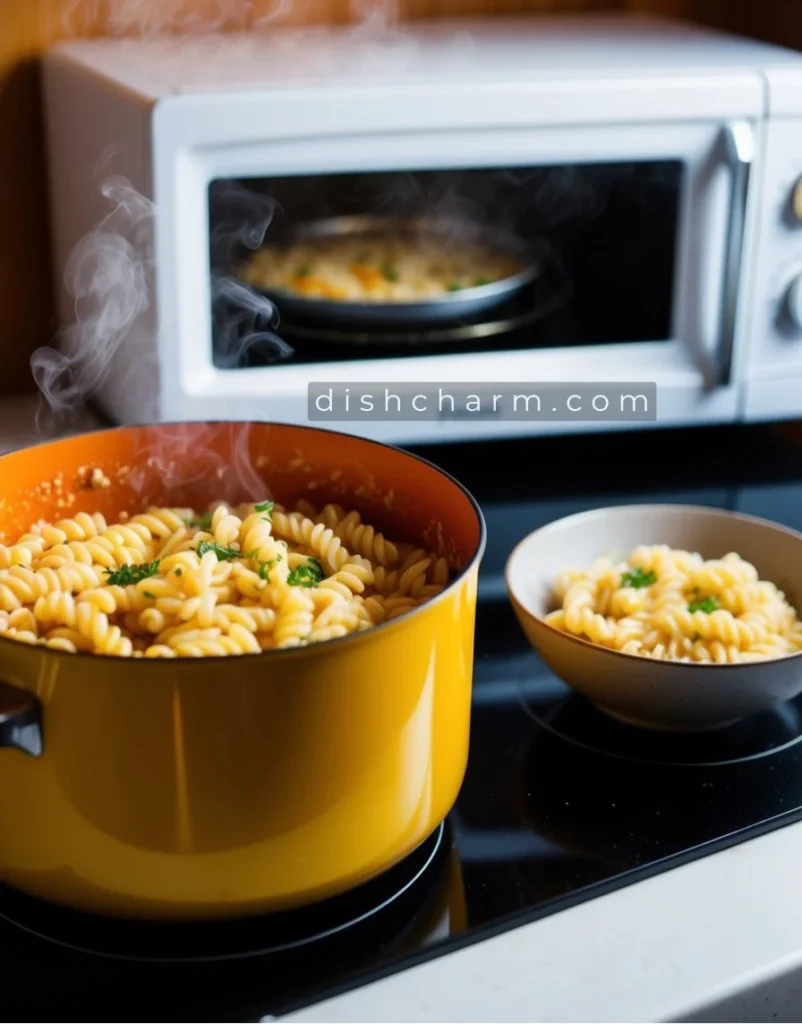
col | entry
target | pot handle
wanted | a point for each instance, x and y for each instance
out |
(20, 720)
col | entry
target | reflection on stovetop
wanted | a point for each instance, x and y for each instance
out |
(560, 797)
(232, 970)
(390, 905)
(560, 803)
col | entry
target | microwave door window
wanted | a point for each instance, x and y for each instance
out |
(407, 263)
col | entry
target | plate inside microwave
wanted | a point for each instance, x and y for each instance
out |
(449, 306)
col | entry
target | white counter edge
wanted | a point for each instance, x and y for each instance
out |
(656, 950)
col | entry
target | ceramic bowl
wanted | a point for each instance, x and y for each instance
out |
(656, 694)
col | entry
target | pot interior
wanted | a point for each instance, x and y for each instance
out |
(192, 464)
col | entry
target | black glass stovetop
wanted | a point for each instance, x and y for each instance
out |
(559, 805)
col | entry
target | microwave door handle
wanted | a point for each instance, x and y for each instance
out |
(740, 148)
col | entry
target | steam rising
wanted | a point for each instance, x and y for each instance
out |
(155, 17)
(138, 18)
(374, 17)
(386, 46)
(239, 313)
(108, 276)
(227, 469)
(244, 319)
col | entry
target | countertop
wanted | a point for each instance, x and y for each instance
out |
(696, 943)
(20, 422)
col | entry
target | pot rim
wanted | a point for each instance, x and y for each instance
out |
(289, 652)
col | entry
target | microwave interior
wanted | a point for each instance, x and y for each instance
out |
(599, 243)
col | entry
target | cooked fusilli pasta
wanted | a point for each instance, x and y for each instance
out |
(674, 606)
(169, 583)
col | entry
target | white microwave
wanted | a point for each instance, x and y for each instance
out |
(654, 167)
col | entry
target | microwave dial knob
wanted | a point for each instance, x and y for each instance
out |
(793, 302)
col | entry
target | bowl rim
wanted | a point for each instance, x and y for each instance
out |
(710, 510)
(285, 652)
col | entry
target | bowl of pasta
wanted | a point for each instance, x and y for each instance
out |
(235, 665)
(671, 617)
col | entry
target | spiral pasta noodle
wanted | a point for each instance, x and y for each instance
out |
(169, 583)
(673, 605)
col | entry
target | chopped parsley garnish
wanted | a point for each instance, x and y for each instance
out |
(223, 553)
(389, 273)
(265, 567)
(454, 286)
(179, 571)
(266, 506)
(203, 522)
(150, 594)
(695, 637)
(638, 578)
(308, 575)
(479, 281)
(127, 575)
(704, 604)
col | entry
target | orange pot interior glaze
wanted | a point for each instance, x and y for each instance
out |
(193, 464)
(223, 787)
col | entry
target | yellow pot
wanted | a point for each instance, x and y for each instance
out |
(229, 786)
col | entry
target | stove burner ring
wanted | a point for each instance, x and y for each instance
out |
(206, 941)
(595, 732)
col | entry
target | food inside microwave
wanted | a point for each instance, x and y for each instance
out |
(379, 268)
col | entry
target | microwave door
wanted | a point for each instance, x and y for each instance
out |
(652, 223)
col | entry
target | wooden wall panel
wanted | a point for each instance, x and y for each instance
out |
(776, 21)
(27, 27)
(24, 278)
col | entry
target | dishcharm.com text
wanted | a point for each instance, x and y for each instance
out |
(622, 402)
